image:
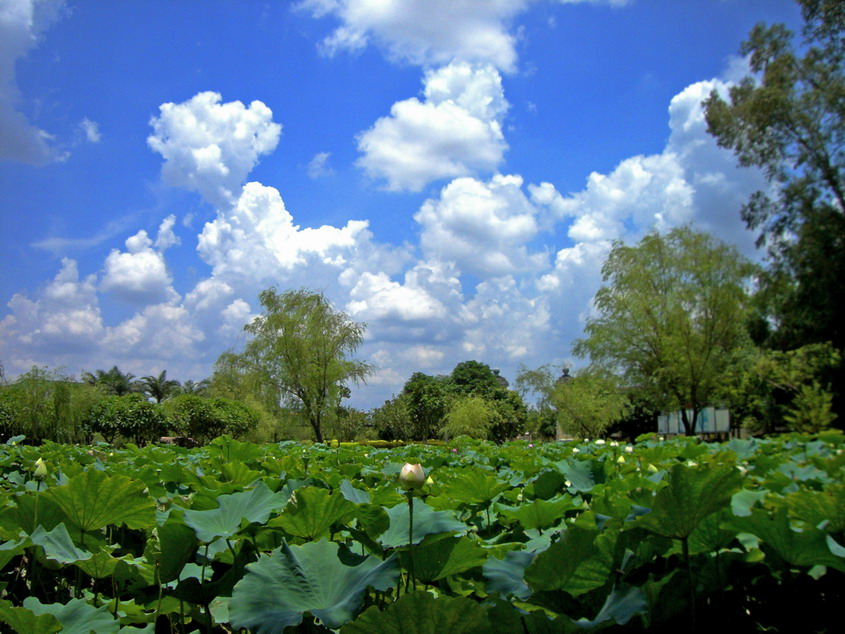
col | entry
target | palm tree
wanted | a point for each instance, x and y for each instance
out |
(159, 387)
(194, 387)
(112, 381)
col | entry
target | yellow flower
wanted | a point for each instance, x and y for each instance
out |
(412, 476)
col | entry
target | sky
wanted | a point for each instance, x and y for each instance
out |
(452, 173)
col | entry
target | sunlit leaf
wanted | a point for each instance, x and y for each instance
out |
(421, 613)
(279, 589)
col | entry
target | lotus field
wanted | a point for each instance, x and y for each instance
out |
(672, 535)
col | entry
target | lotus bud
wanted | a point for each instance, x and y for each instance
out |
(429, 481)
(629, 449)
(531, 445)
(620, 460)
(412, 476)
(651, 468)
(40, 468)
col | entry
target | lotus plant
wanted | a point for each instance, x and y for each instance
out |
(411, 478)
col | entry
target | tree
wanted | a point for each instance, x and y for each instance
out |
(302, 346)
(789, 119)
(427, 400)
(159, 387)
(113, 381)
(588, 403)
(670, 317)
(470, 416)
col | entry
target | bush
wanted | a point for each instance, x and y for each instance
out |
(205, 419)
(131, 417)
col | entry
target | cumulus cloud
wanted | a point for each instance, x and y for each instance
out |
(257, 239)
(482, 227)
(159, 331)
(64, 319)
(139, 275)
(21, 24)
(691, 181)
(424, 33)
(455, 130)
(210, 147)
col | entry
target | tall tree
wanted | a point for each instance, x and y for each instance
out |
(303, 346)
(113, 381)
(159, 387)
(788, 118)
(670, 317)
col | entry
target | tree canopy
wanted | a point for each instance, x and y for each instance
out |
(303, 346)
(670, 317)
(788, 118)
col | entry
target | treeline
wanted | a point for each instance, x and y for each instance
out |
(112, 406)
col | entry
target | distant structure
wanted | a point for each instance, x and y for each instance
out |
(711, 421)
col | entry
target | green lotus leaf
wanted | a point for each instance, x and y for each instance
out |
(76, 616)
(554, 567)
(474, 487)
(176, 545)
(254, 506)
(621, 606)
(427, 521)
(817, 507)
(352, 494)
(539, 514)
(30, 511)
(807, 548)
(58, 545)
(11, 549)
(545, 486)
(437, 558)
(312, 512)
(506, 576)
(582, 474)
(743, 500)
(691, 493)
(421, 613)
(239, 474)
(93, 500)
(372, 519)
(25, 620)
(277, 590)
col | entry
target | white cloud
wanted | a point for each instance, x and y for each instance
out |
(424, 33)
(456, 130)
(159, 331)
(482, 227)
(64, 320)
(140, 274)
(256, 239)
(210, 147)
(166, 238)
(21, 24)
(691, 181)
(319, 166)
(91, 130)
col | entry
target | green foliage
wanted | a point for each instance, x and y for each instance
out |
(131, 417)
(207, 418)
(113, 381)
(392, 420)
(788, 118)
(810, 411)
(771, 384)
(471, 416)
(427, 401)
(45, 404)
(159, 387)
(301, 345)
(588, 403)
(558, 537)
(670, 318)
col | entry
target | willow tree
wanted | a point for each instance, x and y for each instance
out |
(670, 318)
(304, 347)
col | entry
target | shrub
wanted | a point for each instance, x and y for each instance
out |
(131, 417)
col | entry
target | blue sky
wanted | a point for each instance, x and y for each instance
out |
(451, 172)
